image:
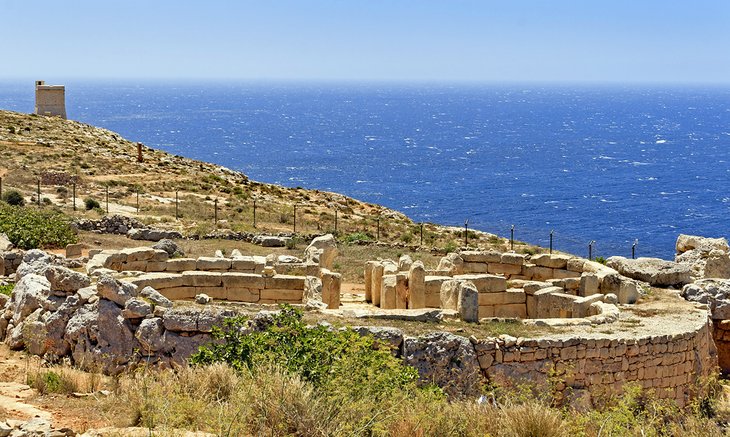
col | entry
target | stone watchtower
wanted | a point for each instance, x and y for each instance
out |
(50, 99)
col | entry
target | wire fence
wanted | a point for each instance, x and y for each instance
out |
(264, 214)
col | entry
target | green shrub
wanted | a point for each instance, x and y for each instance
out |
(91, 204)
(6, 289)
(600, 259)
(357, 236)
(29, 228)
(14, 198)
(336, 362)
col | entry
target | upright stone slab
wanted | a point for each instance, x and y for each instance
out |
(417, 286)
(331, 283)
(388, 292)
(589, 284)
(404, 263)
(401, 291)
(376, 282)
(369, 266)
(450, 294)
(468, 305)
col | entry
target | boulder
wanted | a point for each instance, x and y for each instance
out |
(270, 241)
(5, 243)
(169, 246)
(115, 291)
(150, 335)
(717, 265)
(66, 280)
(35, 261)
(692, 242)
(322, 251)
(453, 263)
(447, 360)
(136, 308)
(712, 292)
(655, 271)
(155, 297)
(153, 234)
(203, 299)
(468, 306)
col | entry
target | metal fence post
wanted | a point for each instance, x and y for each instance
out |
(590, 249)
(512, 238)
(295, 218)
(107, 199)
(377, 235)
(421, 234)
(215, 211)
(633, 249)
(466, 232)
(254, 213)
(551, 241)
(335, 221)
(1, 187)
(137, 200)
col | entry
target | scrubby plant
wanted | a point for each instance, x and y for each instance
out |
(334, 361)
(7, 289)
(29, 228)
(357, 236)
(14, 198)
(91, 204)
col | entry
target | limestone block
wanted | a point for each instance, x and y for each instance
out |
(156, 266)
(531, 306)
(473, 267)
(475, 256)
(180, 264)
(132, 266)
(285, 282)
(538, 273)
(331, 283)
(387, 292)
(543, 301)
(202, 279)
(238, 294)
(486, 311)
(485, 283)
(581, 306)
(210, 263)
(553, 261)
(279, 295)
(572, 283)
(452, 263)
(513, 258)
(468, 305)
(450, 294)
(589, 284)
(243, 264)
(511, 296)
(564, 274)
(132, 254)
(532, 286)
(219, 293)
(376, 283)
(243, 280)
(511, 310)
(504, 269)
(74, 250)
(158, 281)
(575, 265)
(369, 266)
(401, 290)
(159, 256)
(628, 292)
(610, 282)
(178, 293)
(404, 263)
(417, 286)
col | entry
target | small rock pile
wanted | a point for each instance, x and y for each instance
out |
(36, 427)
(111, 224)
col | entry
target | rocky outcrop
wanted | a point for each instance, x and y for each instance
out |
(655, 271)
(169, 246)
(706, 257)
(149, 234)
(111, 224)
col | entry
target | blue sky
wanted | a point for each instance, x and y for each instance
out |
(391, 40)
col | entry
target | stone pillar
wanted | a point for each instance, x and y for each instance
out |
(401, 291)
(450, 295)
(417, 286)
(468, 306)
(369, 266)
(376, 282)
(331, 283)
(388, 292)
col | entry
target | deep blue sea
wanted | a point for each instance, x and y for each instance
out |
(606, 163)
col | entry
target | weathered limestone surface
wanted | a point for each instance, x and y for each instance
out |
(655, 271)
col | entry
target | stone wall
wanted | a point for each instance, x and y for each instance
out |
(508, 284)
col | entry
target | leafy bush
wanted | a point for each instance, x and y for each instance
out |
(14, 198)
(29, 228)
(51, 381)
(6, 289)
(91, 204)
(333, 361)
(357, 236)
